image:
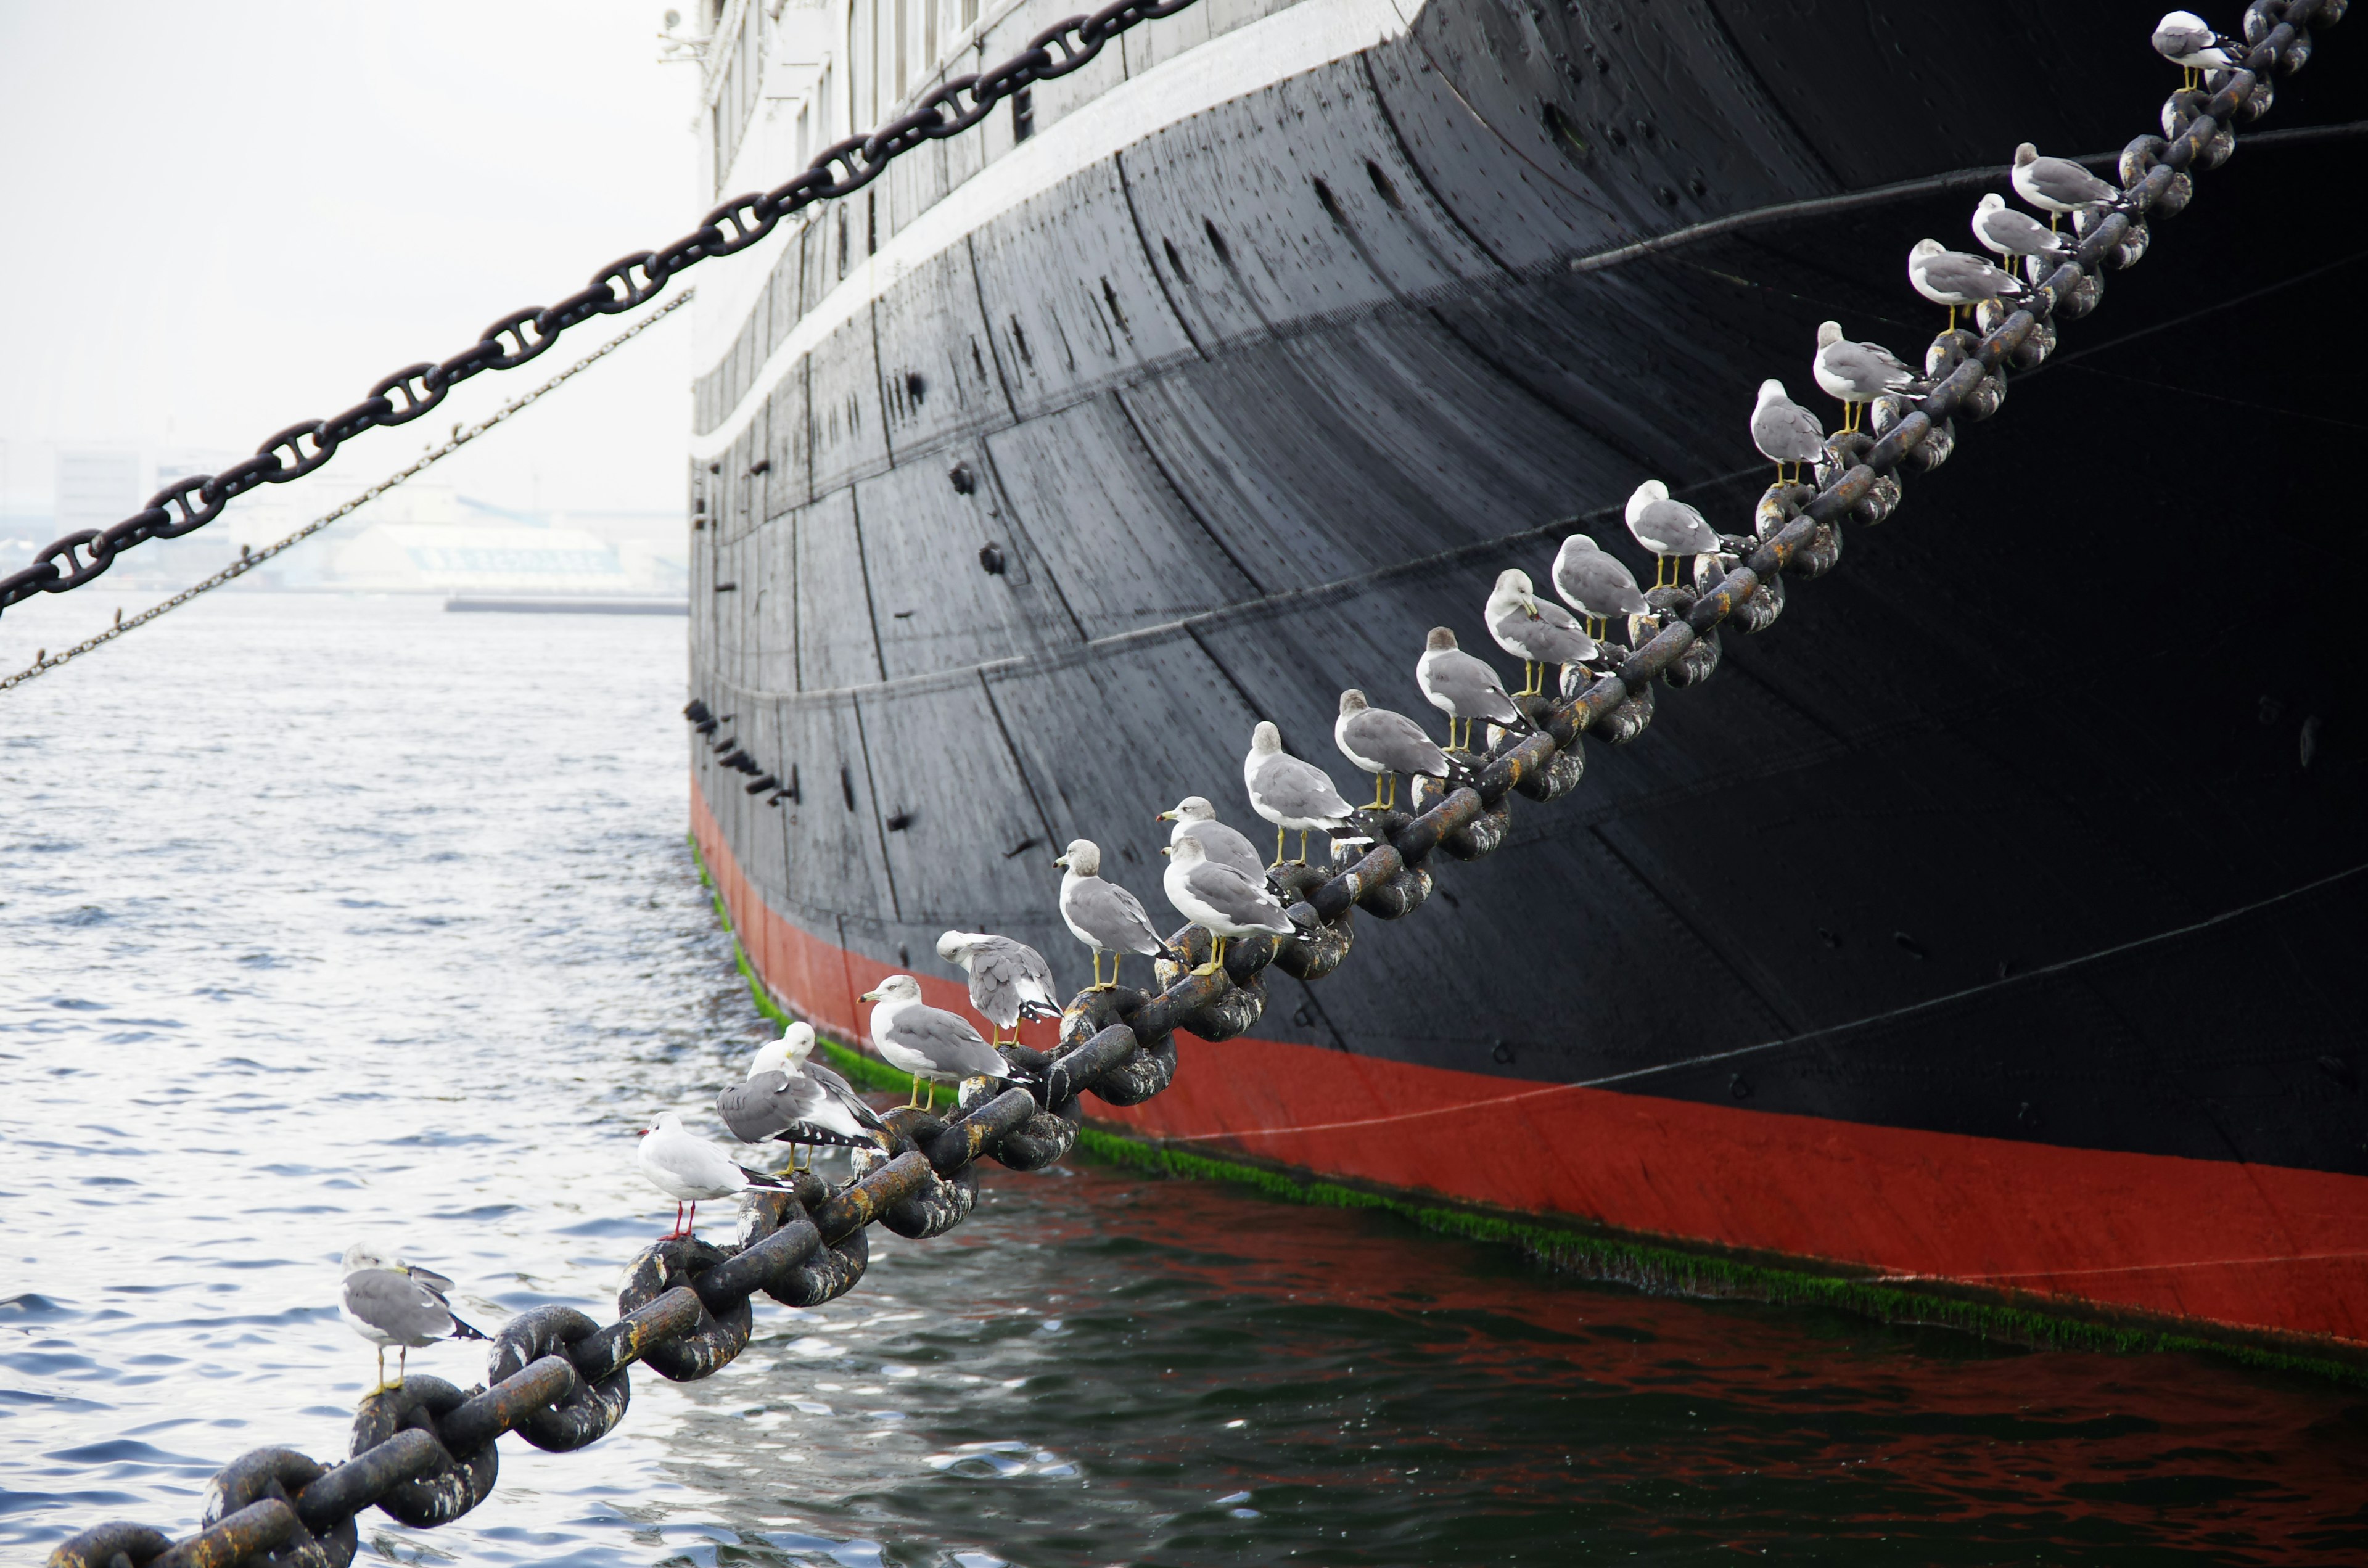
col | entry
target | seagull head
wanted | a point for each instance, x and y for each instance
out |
(1352, 701)
(1582, 543)
(1513, 591)
(898, 990)
(1082, 856)
(2025, 155)
(773, 1056)
(362, 1255)
(1652, 490)
(1990, 202)
(1927, 247)
(1440, 640)
(1191, 808)
(1772, 390)
(667, 1123)
(1188, 851)
(955, 947)
(1266, 740)
(798, 1041)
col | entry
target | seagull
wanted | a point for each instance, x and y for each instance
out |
(1951, 278)
(1103, 916)
(1538, 632)
(1384, 744)
(1461, 687)
(2057, 186)
(1195, 818)
(1595, 584)
(2188, 42)
(786, 1099)
(1008, 981)
(1786, 434)
(1857, 373)
(933, 1045)
(388, 1302)
(2009, 233)
(1219, 898)
(687, 1168)
(1670, 530)
(1291, 793)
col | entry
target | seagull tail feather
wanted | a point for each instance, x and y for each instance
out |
(758, 1178)
(462, 1331)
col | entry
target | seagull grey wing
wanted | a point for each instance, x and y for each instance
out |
(996, 976)
(1785, 432)
(1396, 741)
(430, 1279)
(842, 1090)
(1234, 896)
(1113, 916)
(948, 1042)
(1227, 846)
(1678, 525)
(396, 1305)
(1301, 791)
(756, 1109)
(1473, 686)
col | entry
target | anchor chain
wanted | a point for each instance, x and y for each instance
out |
(426, 1451)
(627, 283)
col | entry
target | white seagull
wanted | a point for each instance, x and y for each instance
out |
(2009, 233)
(2058, 186)
(1384, 744)
(1951, 278)
(1672, 530)
(1103, 916)
(1292, 794)
(1195, 818)
(1597, 584)
(1786, 434)
(1462, 688)
(1219, 898)
(935, 1046)
(1010, 981)
(1857, 373)
(1536, 632)
(388, 1302)
(2188, 42)
(688, 1168)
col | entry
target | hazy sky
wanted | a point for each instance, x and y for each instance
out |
(221, 218)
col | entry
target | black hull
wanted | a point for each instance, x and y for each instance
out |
(2034, 821)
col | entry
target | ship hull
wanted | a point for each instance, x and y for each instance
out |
(1987, 921)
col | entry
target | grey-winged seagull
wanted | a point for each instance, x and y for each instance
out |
(1462, 687)
(388, 1302)
(1010, 981)
(1385, 745)
(1786, 434)
(1951, 278)
(1672, 530)
(2009, 233)
(1195, 818)
(688, 1168)
(1103, 916)
(1219, 898)
(787, 1099)
(1289, 793)
(1857, 373)
(935, 1046)
(2190, 42)
(2058, 186)
(1596, 585)
(1533, 630)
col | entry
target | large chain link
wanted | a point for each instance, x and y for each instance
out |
(426, 1451)
(625, 284)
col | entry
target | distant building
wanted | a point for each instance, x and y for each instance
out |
(96, 486)
(475, 559)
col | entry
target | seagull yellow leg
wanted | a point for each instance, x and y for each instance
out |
(380, 1386)
(1302, 847)
(1377, 793)
(1278, 844)
(1216, 956)
(1115, 958)
(402, 1363)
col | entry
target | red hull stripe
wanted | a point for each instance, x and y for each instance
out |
(2249, 1246)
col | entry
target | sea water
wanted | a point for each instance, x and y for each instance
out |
(330, 918)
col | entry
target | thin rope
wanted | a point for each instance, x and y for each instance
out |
(461, 435)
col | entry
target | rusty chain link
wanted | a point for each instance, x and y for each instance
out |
(426, 1452)
(190, 502)
(249, 560)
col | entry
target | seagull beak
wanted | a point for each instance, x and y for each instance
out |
(868, 996)
(1167, 850)
(1061, 862)
(1165, 816)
